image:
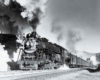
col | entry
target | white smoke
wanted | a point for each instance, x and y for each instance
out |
(16, 55)
(25, 10)
(94, 61)
(74, 36)
(6, 2)
(4, 58)
(64, 67)
(31, 7)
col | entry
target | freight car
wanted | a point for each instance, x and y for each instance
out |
(39, 53)
(77, 62)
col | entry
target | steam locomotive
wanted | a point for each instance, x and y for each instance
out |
(39, 53)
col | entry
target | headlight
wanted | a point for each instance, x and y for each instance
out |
(27, 45)
(30, 45)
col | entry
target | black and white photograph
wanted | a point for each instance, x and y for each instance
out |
(49, 39)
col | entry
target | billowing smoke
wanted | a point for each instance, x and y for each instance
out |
(33, 10)
(26, 13)
(57, 28)
(94, 60)
(8, 25)
(72, 35)
(19, 17)
(10, 15)
(10, 45)
(6, 2)
(4, 58)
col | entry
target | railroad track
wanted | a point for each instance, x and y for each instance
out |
(40, 75)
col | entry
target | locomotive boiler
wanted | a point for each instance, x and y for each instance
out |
(39, 53)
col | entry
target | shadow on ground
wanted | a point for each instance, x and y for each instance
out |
(13, 65)
(95, 70)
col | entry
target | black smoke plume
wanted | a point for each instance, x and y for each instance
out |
(32, 10)
(9, 40)
(6, 22)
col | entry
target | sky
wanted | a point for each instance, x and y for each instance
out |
(81, 17)
(78, 14)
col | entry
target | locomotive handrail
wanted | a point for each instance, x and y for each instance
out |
(19, 53)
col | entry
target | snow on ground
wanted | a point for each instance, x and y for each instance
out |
(80, 75)
(70, 75)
